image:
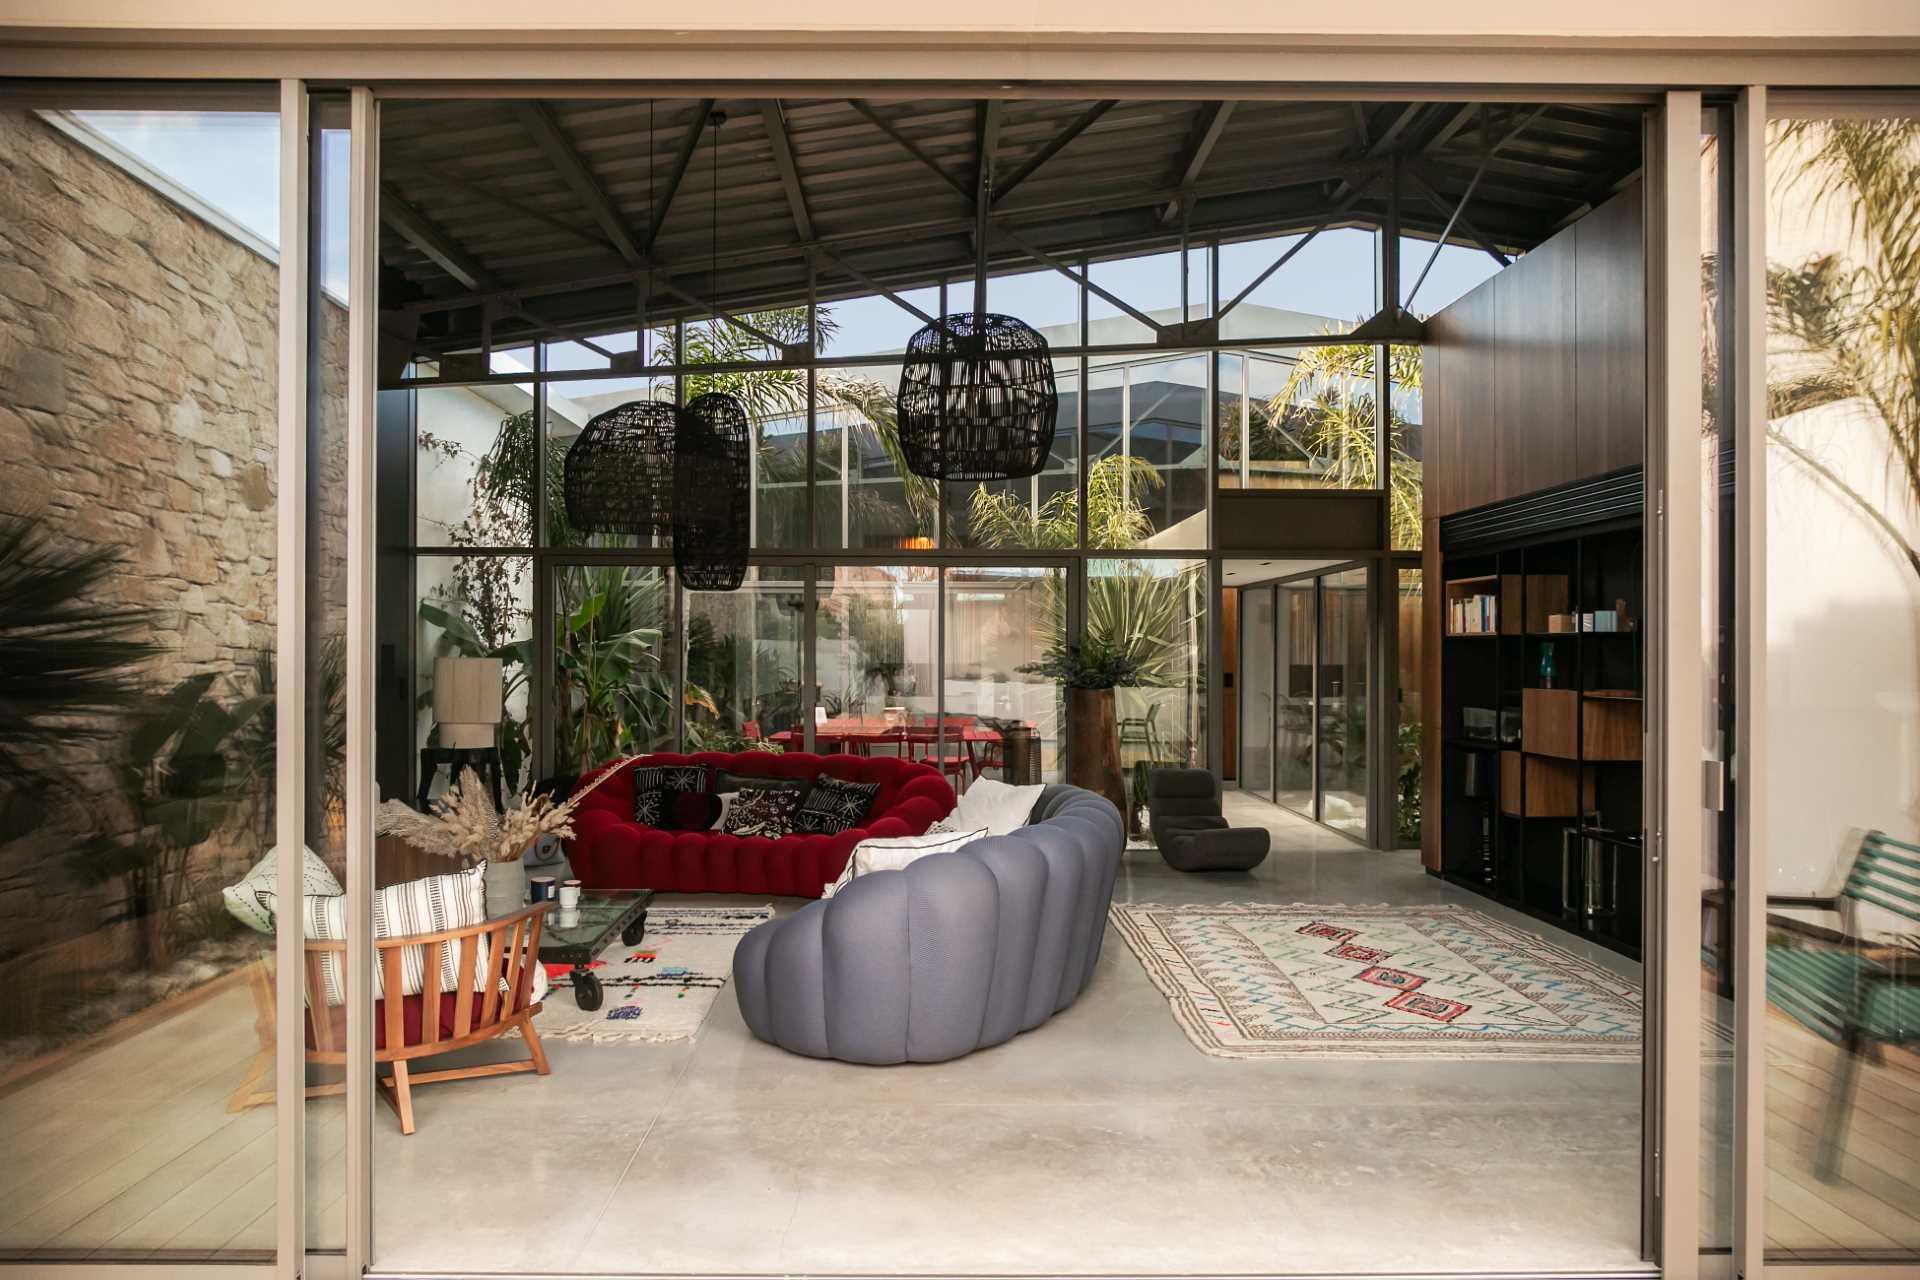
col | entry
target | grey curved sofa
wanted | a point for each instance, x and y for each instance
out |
(950, 954)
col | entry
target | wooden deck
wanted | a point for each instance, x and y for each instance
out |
(1872, 1213)
(128, 1151)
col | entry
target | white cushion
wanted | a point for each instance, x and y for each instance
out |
(890, 853)
(430, 904)
(242, 897)
(1000, 808)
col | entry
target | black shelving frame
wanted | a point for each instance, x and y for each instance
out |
(1601, 555)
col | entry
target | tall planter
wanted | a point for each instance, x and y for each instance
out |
(1093, 746)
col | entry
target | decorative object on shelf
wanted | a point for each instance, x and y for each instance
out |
(977, 399)
(1549, 669)
(711, 499)
(618, 476)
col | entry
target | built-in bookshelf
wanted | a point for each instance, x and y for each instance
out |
(1542, 680)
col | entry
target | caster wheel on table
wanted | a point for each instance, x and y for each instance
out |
(632, 934)
(587, 991)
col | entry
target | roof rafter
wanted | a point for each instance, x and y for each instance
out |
(682, 158)
(775, 121)
(545, 131)
(911, 147)
(1054, 146)
(1201, 140)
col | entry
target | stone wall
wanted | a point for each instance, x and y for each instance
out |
(138, 409)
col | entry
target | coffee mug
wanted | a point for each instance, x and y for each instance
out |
(570, 895)
(540, 889)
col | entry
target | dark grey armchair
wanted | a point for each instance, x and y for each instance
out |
(1184, 813)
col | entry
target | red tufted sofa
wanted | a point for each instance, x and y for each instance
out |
(609, 850)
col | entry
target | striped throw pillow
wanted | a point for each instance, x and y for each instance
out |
(428, 905)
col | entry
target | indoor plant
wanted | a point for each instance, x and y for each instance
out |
(1091, 670)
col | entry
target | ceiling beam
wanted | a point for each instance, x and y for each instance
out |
(1053, 147)
(1453, 124)
(441, 249)
(775, 121)
(1467, 229)
(911, 147)
(1201, 140)
(937, 225)
(537, 118)
(986, 143)
(1381, 145)
(682, 158)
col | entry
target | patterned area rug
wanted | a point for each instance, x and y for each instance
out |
(1437, 981)
(659, 990)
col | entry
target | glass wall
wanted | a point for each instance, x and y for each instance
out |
(614, 682)
(139, 577)
(1257, 702)
(999, 622)
(1295, 637)
(1842, 726)
(1344, 687)
(1154, 611)
(1408, 599)
(876, 654)
(742, 660)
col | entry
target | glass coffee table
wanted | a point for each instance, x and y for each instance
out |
(578, 937)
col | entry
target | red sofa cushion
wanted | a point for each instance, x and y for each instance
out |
(609, 850)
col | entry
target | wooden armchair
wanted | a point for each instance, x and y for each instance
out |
(494, 993)
(1852, 991)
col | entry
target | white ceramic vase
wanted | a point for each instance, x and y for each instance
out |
(506, 888)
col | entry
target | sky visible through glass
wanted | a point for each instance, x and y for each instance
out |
(230, 161)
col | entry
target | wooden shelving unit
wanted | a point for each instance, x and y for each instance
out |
(1562, 759)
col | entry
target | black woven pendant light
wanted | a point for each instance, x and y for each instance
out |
(711, 514)
(619, 471)
(977, 399)
(712, 510)
(618, 474)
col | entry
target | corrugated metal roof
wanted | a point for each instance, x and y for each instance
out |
(558, 207)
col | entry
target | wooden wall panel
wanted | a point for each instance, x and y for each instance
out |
(1611, 338)
(1538, 377)
(1533, 370)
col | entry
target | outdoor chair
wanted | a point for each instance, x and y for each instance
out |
(1853, 991)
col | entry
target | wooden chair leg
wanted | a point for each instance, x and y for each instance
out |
(248, 1092)
(534, 1048)
(403, 1096)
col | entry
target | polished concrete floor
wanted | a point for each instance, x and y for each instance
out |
(1102, 1142)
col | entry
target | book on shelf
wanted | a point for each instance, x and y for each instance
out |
(1474, 615)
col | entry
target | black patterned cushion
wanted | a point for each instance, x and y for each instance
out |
(650, 807)
(670, 777)
(724, 782)
(762, 811)
(835, 805)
